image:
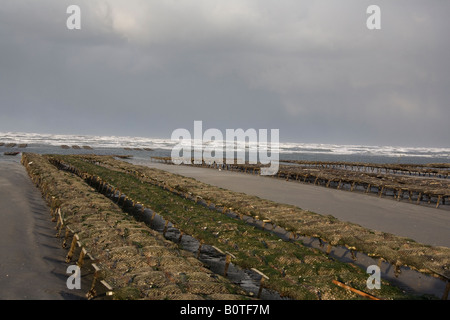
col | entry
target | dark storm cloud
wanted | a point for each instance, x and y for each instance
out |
(310, 68)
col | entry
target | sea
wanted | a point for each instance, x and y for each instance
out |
(142, 148)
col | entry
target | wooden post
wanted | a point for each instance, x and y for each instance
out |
(380, 261)
(165, 228)
(53, 214)
(66, 236)
(227, 263)
(291, 236)
(264, 223)
(438, 201)
(446, 291)
(58, 221)
(352, 252)
(399, 194)
(72, 248)
(81, 257)
(199, 248)
(58, 234)
(397, 270)
(261, 283)
(92, 292)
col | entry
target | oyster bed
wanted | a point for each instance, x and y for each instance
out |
(293, 270)
(399, 251)
(131, 260)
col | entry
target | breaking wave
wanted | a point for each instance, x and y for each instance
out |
(112, 142)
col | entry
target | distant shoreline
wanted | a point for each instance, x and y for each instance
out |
(141, 146)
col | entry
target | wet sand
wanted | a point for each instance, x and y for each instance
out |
(32, 265)
(423, 224)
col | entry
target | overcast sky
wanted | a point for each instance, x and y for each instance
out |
(309, 68)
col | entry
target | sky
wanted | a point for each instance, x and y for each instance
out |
(311, 69)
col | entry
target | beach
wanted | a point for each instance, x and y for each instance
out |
(32, 258)
(245, 151)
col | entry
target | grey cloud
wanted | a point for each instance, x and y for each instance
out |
(311, 69)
